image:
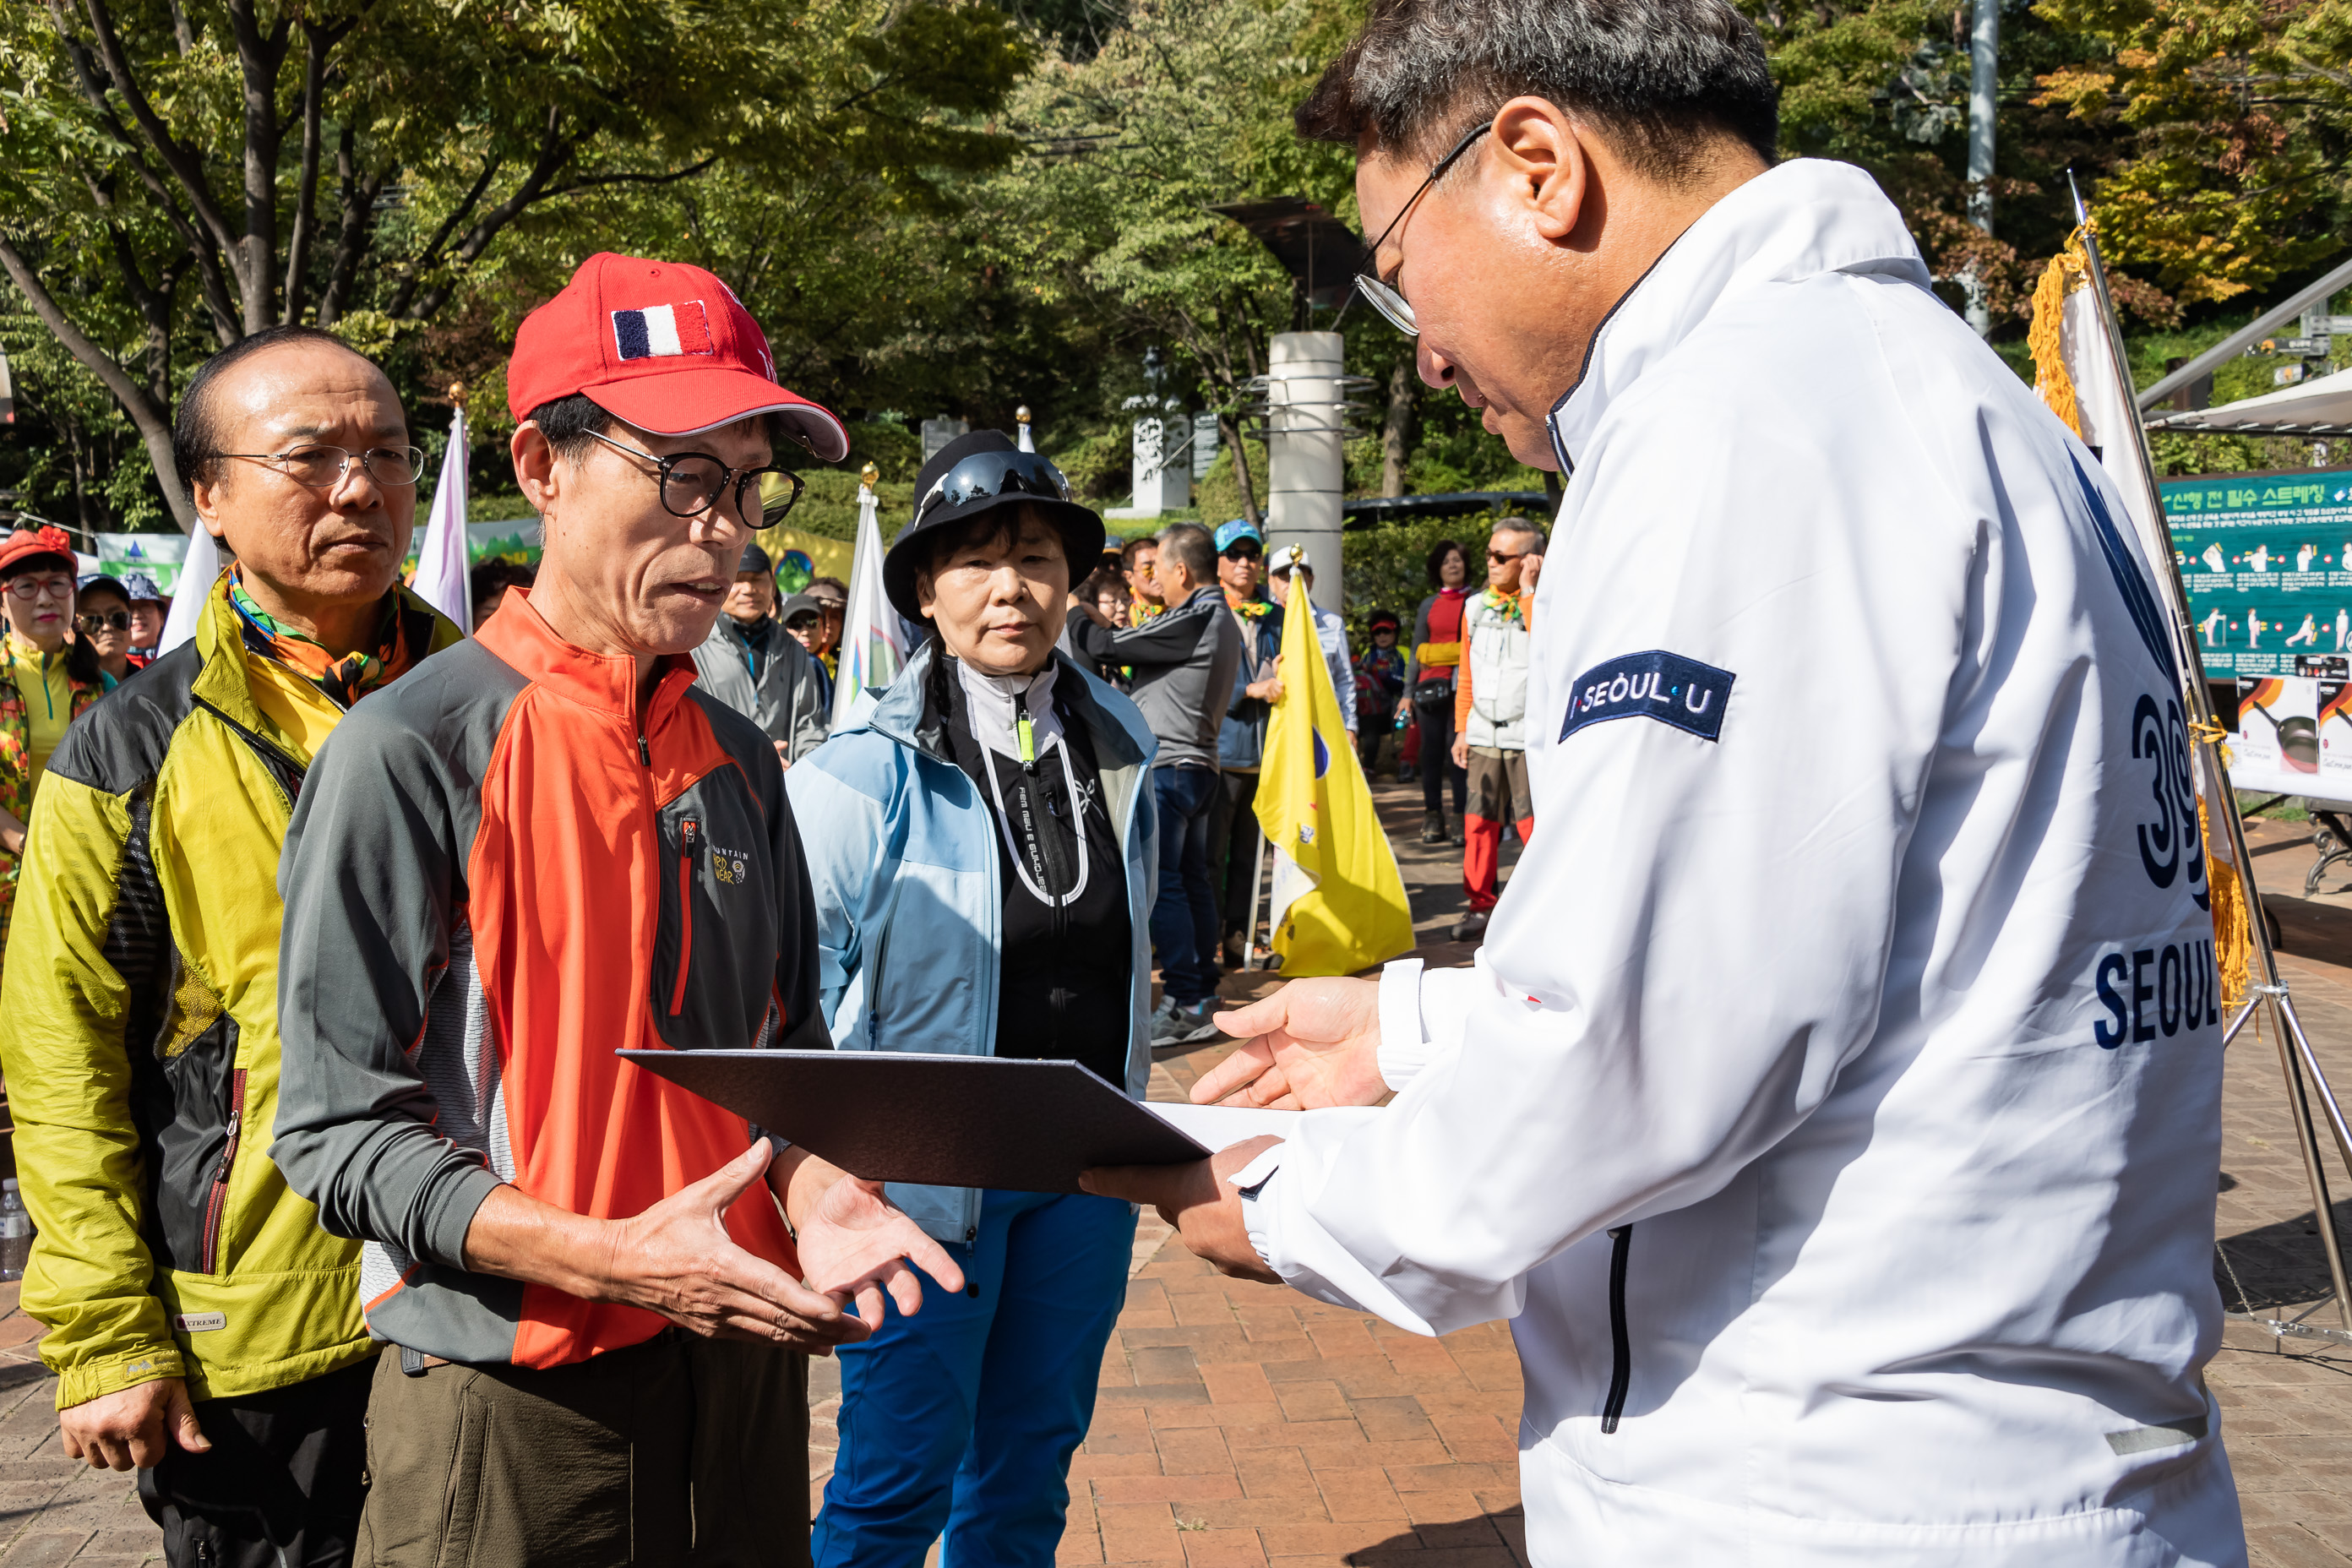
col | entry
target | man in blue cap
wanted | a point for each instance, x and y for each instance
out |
(1241, 742)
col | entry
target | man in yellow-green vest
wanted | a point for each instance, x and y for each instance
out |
(202, 1327)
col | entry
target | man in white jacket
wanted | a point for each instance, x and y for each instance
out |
(1833, 1107)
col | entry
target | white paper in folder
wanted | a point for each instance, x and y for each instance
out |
(1222, 1126)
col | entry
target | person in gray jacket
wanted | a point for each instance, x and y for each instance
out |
(750, 664)
(1185, 661)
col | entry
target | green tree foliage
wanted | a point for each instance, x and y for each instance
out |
(2237, 116)
(189, 172)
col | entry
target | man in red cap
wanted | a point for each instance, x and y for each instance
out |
(547, 845)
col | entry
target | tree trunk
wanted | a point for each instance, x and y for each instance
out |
(154, 420)
(1396, 428)
(1230, 427)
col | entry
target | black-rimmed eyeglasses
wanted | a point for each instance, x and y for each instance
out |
(1381, 294)
(692, 482)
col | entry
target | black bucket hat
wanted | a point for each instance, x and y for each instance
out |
(973, 474)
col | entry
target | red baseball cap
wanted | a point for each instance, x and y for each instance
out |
(662, 345)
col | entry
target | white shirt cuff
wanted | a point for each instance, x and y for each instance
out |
(1423, 1015)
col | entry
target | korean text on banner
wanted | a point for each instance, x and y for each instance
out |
(1338, 900)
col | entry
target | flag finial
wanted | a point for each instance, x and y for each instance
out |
(1021, 417)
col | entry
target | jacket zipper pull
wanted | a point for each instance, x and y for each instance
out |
(644, 753)
(1024, 733)
(1621, 1370)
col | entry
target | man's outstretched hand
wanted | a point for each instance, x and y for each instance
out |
(675, 1258)
(1199, 1200)
(1312, 1045)
(855, 1244)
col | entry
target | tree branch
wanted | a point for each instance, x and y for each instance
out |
(260, 57)
(592, 181)
(185, 166)
(359, 196)
(315, 43)
(554, 151)
(153, 418)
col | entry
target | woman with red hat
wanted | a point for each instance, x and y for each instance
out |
(45, 682)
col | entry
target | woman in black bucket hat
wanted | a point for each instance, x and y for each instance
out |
(980, 840)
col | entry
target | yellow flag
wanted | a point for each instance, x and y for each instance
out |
(1338, 898)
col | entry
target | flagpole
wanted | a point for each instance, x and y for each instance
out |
(2298, 1064)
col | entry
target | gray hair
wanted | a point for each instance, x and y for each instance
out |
(1658, 79)
(1527, 525)
(1190, 545)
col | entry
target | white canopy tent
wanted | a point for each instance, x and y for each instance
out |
(2320, 407)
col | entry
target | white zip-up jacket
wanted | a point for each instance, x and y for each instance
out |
(1862, 968)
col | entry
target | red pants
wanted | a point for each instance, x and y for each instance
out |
(1498, 792)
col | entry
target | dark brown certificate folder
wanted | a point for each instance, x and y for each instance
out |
(964, 1121)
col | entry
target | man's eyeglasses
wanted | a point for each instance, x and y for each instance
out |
(1379, 293)
(692, 483)
(30, 587)
(1503, 558)
(1244, 553)
(113, 621)
(322, 468)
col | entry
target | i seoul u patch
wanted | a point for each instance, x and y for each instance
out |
(1666, 687)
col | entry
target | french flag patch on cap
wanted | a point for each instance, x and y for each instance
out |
(662, 330)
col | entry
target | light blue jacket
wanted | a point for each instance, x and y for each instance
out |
(902, 855)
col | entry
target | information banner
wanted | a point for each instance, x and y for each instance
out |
(156, 555)
(2267, 561)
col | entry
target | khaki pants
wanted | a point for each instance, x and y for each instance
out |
(680, 1453)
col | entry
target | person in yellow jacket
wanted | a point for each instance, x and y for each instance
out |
(202, 1327)
(46, 681)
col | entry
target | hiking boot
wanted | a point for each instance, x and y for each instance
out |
(1433, 828)
(1176, 1026)
(1470, 927)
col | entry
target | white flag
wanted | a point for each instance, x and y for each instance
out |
(873, 644)
(441, 560)
(199, 570)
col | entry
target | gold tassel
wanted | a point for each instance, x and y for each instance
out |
(2067, 271)
(2233, 939)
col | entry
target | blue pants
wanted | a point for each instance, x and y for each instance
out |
(1185, 915)
(965, 1416)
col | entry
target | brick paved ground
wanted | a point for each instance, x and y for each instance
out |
(1240, 1425)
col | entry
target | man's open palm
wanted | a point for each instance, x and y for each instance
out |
(855, 1244)
(1311, 1045)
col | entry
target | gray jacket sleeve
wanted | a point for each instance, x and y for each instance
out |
(369, 876)
(810, 722)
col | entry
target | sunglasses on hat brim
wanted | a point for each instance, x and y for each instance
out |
(985, 475)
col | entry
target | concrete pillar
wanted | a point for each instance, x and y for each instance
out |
(1306, 477)
(1160, 485)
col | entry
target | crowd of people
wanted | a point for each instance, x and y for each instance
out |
(325, 914)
